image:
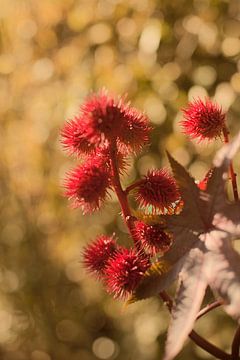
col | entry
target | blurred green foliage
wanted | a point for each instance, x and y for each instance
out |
(53, 53)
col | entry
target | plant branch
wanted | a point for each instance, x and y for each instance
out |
(210, 348)
(231, 170)
(199, 340)
(122, 196)
(209, 307)
(133, 186)
(236, 344)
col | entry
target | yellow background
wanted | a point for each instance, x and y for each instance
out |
(52, 54)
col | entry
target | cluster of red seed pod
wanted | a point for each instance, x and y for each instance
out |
(103, 134)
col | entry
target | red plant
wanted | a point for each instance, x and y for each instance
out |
(87, 185)
(135, 132)
(124, 272)
(104, 119)
(153, 238)
(159, 190)
(192, 227)
(97, 254)
(74, 139)
(203, 120)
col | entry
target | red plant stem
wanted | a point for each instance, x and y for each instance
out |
(167, 300)
(210, 348)
(209, 307)
(231, 171)
(236, 344)
(133, 186)
(122, 197)
(200, 341)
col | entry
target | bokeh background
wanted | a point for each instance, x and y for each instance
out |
(52, 54)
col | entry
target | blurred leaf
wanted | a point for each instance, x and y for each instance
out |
(188, 300)
(223, 270)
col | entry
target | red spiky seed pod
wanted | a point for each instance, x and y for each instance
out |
(124, 272)
(153, 238)
(97, 254)
(103, 153)
(104, 119)
(136, 131)
(74, 139)
(158, 190)
(87, 185)
(203, 120)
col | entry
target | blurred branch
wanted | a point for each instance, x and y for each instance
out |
(199, 340)
(236, 344)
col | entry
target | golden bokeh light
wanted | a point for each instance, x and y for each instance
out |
(53, 53)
